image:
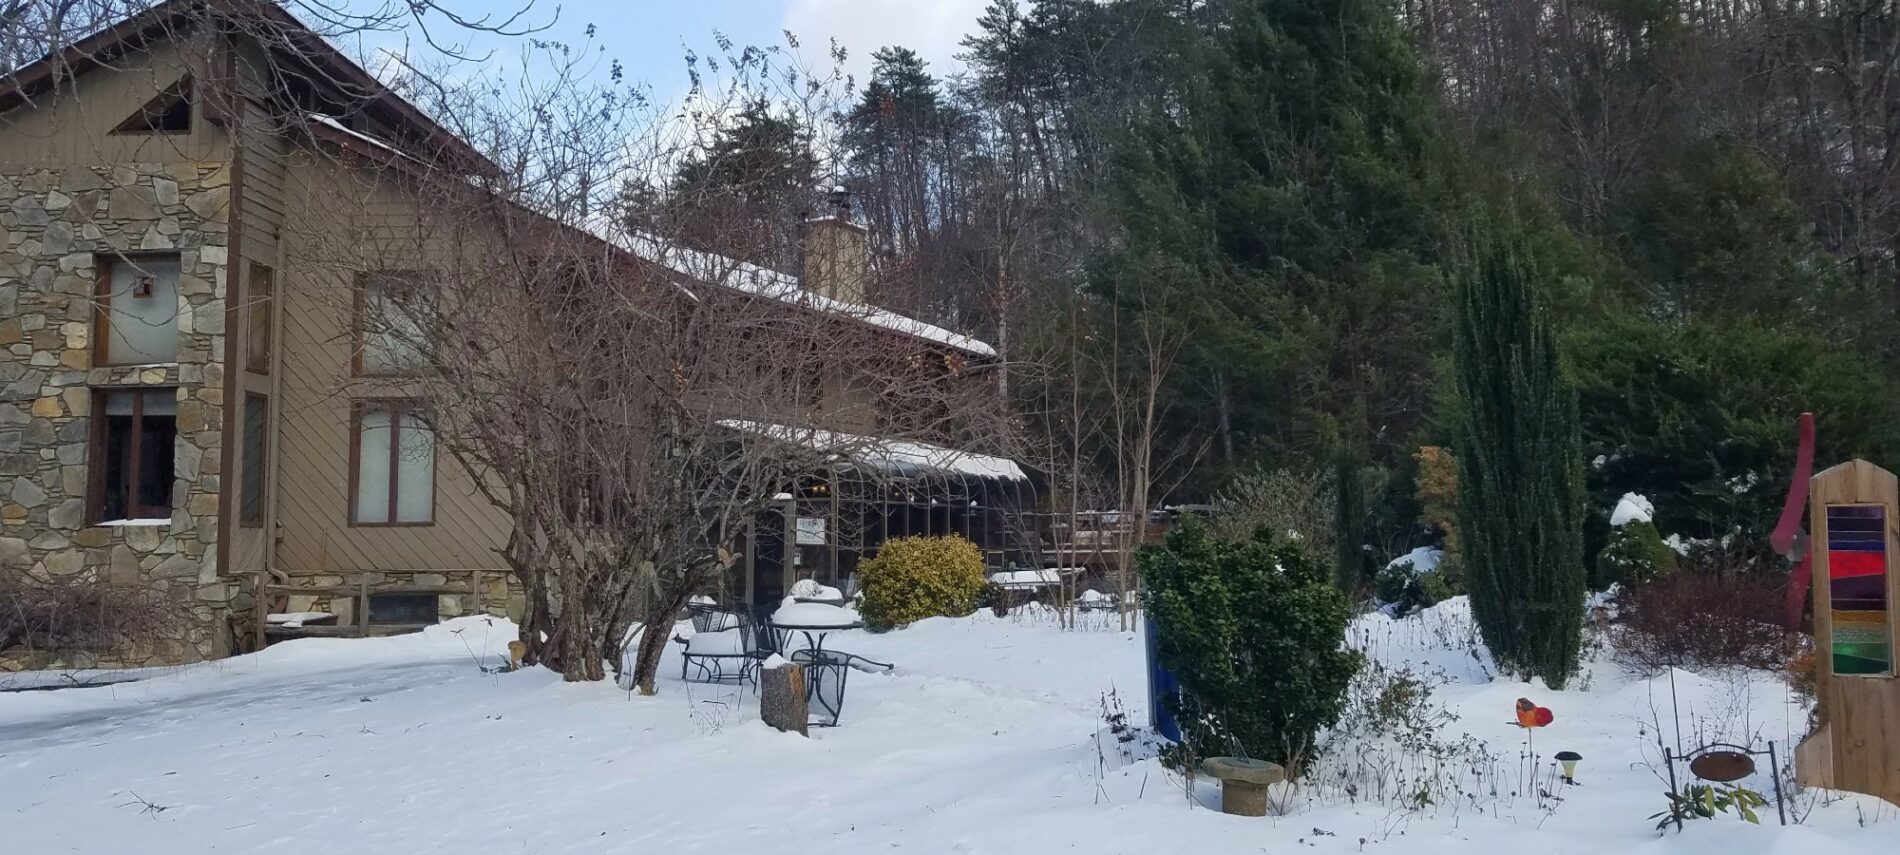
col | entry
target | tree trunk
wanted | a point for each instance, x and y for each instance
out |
(658, 629)
(578, 647)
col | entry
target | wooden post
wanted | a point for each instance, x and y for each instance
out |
(261, 607)
(475, 592)
(362, 605)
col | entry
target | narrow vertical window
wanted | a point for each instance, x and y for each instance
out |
(255, 465)
(257, 319)
(394, 466)
(134, 436)
(1857, 589)
(137, 315)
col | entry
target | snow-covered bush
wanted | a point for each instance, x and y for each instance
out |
(1251, 630)
(912, 578)
(1635, 551)
(1414, 580)
(1634, 554)
(1394, 744)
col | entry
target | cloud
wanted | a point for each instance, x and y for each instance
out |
(932, 28)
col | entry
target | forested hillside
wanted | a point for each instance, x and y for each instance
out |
(1211, 234)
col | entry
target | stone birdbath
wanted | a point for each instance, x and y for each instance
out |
(1243, 783)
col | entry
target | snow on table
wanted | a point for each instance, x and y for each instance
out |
(815, 615)
(1025, 579)
(725, 642)
(291, 620)
(811, 589)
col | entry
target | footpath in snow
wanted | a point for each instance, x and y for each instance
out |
(988, 737)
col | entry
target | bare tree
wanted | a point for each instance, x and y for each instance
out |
(629, 403)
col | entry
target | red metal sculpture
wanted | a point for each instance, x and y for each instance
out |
(1788, 537)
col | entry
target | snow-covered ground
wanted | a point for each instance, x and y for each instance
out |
(988, 738)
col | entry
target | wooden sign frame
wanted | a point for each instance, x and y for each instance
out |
(1858, 746)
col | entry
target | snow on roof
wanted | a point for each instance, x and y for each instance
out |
(1633, 507)
(765, 282)
(729, 272)
(888, 454)
(337, 125)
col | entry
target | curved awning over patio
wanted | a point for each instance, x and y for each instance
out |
(893, 456)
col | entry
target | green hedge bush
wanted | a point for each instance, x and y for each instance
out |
(1255, 632)
(913, 578)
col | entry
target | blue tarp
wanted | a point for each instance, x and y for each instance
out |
(1161, 684)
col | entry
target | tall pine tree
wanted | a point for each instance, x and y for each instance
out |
(1283, 204)
(1520, 462)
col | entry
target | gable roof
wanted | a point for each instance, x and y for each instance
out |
(764, 282)
(291, 40)
(288, 40)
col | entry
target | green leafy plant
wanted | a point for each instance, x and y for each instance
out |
(1634, 554)
(1253, 631)
(1705, 801)
(913, 578)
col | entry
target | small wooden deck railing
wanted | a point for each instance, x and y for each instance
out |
(264, 592)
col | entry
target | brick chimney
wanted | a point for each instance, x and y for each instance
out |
(837, 252)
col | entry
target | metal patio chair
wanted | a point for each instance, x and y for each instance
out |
(825, 675)
(724, 647)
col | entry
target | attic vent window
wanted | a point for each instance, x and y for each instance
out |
(169, 113)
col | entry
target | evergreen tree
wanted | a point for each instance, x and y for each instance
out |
(1283, 205)
(1520, 467)
(743, 193)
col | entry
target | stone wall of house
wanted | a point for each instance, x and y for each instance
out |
(53, 225)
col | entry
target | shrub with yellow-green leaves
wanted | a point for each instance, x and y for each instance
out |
(913, 578)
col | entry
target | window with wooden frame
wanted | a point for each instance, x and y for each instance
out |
(389, 323)
(134, 437)
(392, 464)
(136, 309)
(257, 319)
(255, 460)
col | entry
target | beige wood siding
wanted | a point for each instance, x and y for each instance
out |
(78, 131)
(264, 152)
(331, 206)
(266, 157)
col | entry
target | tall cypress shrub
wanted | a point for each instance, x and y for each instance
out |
(1519, 461)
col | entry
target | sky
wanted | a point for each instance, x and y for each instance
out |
(650, 37)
